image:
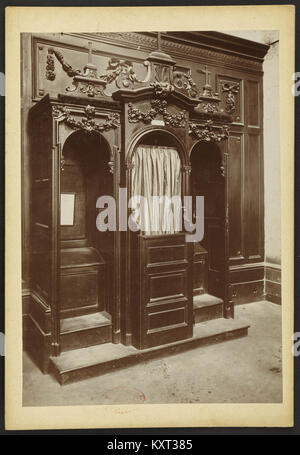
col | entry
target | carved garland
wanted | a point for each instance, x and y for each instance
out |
(120, 71)
(50, 75)
(50, 68)
(87, 124)
(207, 132)
(158, 107)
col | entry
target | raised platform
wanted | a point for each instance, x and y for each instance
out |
(207, 307)
(82, 363)
(86, 330)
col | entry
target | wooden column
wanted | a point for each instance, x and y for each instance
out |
(228, 303)
(116, 317)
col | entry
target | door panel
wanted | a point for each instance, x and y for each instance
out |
(164, 307)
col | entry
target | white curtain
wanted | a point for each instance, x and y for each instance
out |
(156, 172)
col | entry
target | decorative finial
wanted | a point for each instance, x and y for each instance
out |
(159, 41)
(90, 57)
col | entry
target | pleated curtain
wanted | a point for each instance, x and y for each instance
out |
(156, 172)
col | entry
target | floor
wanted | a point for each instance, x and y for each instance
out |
(237, 371)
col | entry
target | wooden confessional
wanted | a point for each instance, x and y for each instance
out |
(145, 288)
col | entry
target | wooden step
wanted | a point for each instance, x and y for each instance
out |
(207, 307)
(96, 360)
(87, 330)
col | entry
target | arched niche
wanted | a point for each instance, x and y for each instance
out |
(207, 180)
(85, 173)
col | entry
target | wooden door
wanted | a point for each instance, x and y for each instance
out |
(163, 310)
(207, 180)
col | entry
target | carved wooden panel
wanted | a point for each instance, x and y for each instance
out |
(166, 286)
(247, 292)
(200, 270)
(41, 205)
(83, 281)
(53, 76)
(79, 289)
(253, 104)
(232, 97)
(214, 243)
(253, 199)
(166, 253)
(166, 318)
(236, 196)
(164, 305)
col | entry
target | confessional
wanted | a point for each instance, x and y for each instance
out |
(147, 287)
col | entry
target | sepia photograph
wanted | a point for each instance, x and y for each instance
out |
(110, 118)
(151, 217)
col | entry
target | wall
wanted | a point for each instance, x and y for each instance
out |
(271, 159)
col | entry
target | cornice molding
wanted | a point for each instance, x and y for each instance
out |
(175, 45)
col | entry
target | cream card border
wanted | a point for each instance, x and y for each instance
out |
(100, 19)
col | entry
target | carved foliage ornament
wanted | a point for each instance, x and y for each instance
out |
(209, 107)
(87, 88)
(162, 89)
(208, 132)
(185, 83)
(87, 123)
(120, 71)
(158, 107)
(50, 68)
(65, 66)
(88, 82)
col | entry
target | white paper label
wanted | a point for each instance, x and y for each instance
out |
(157, 122)
(67, 203)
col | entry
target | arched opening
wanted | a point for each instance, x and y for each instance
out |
(207, 180)
(159, 292)
(86, 253)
